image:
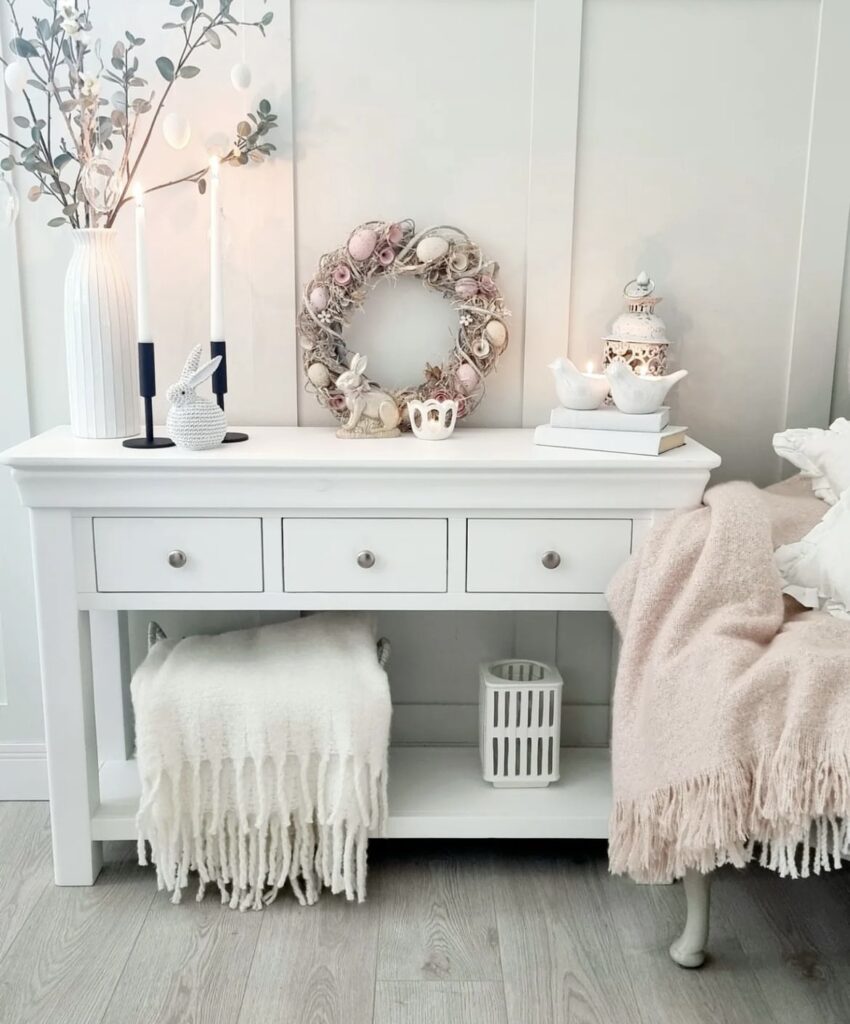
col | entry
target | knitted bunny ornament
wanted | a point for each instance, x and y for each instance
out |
(194, 422)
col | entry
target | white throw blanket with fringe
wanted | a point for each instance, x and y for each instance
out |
(263, 758)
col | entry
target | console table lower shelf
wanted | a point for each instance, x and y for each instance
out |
(436, 792)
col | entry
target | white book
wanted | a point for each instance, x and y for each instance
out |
(610, 418)
(626, 442)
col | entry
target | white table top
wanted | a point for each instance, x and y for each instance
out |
(295, 447)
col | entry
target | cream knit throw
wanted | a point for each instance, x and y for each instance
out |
(263, 758)
(732, 705)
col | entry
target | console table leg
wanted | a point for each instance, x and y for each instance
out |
(66, 680)
(689, 949)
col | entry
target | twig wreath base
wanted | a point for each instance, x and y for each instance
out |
(447, 261)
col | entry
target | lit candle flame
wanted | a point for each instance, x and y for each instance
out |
(215, 162)
(138, 193)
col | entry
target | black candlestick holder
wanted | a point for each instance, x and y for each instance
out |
(219, 388)
(147, 389)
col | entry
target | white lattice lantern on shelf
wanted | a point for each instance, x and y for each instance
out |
(520, 723)
(638, 336)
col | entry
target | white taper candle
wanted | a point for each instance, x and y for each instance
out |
(216, 289)
(142, 290)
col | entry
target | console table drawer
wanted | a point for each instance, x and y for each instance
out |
(365, 555)
(545, 556)
(178, 555)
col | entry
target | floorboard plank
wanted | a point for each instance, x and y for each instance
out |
(65, 961)
(438, 920)
(451, 1002)
(647, 919)
(796, 936)
(26, 865)
(561, 958)
(313, 965)
(189, 965)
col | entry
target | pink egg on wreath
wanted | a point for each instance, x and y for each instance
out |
(386, 256)
(362, 244)
(341, 275)
(466, 288)
(467, 377)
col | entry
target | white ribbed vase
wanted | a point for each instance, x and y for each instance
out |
(103, 373)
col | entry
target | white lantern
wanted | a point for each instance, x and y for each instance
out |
(638, 336)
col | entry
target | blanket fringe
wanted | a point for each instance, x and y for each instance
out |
(309, 826)
(792, 804)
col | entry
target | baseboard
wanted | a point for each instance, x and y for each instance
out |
(23, 771)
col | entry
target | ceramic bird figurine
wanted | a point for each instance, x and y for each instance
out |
(636, 393)
(577, 390)
(194, 422)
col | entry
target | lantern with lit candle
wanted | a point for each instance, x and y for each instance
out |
(638, 337)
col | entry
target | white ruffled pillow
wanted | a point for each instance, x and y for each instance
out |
(823, 455)
(816, 570)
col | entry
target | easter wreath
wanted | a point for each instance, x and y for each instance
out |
(448, 262)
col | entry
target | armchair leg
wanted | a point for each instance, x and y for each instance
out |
(689, 949)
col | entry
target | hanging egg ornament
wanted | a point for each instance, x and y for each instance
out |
(176, 130)
(496, 333)
(15, 76)
(240, 76)
(9, 202)
(431, 248)
(102, 184)
(362, 244)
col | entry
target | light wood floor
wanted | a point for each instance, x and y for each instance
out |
(461, 933)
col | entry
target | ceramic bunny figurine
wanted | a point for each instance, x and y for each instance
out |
(194, 422)
(373, 413)
(637, 393)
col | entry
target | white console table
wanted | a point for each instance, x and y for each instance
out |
(297, 519)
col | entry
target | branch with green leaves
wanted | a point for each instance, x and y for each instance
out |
(78, 123)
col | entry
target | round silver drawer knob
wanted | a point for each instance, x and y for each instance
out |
(177, 559)
(365, 559)
(551, 560)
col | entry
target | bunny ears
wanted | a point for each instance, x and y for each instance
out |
(191, 376)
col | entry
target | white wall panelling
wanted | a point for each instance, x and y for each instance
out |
(556, 62)
(23, 769)
(576, 142)
(823, 238)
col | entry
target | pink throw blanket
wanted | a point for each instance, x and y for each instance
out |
(732, 704)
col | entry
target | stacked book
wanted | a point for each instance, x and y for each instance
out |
(609, 430)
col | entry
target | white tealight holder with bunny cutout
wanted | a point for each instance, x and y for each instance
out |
(194, 422)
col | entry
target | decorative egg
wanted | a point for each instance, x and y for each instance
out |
(318, 375)
(496, 333)
(481, 348)
(319, 298)
(176, 130)
(240, 77)
(467, 377)
(362, 244)
(15, 76)
(467, 288)
(431, 248)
